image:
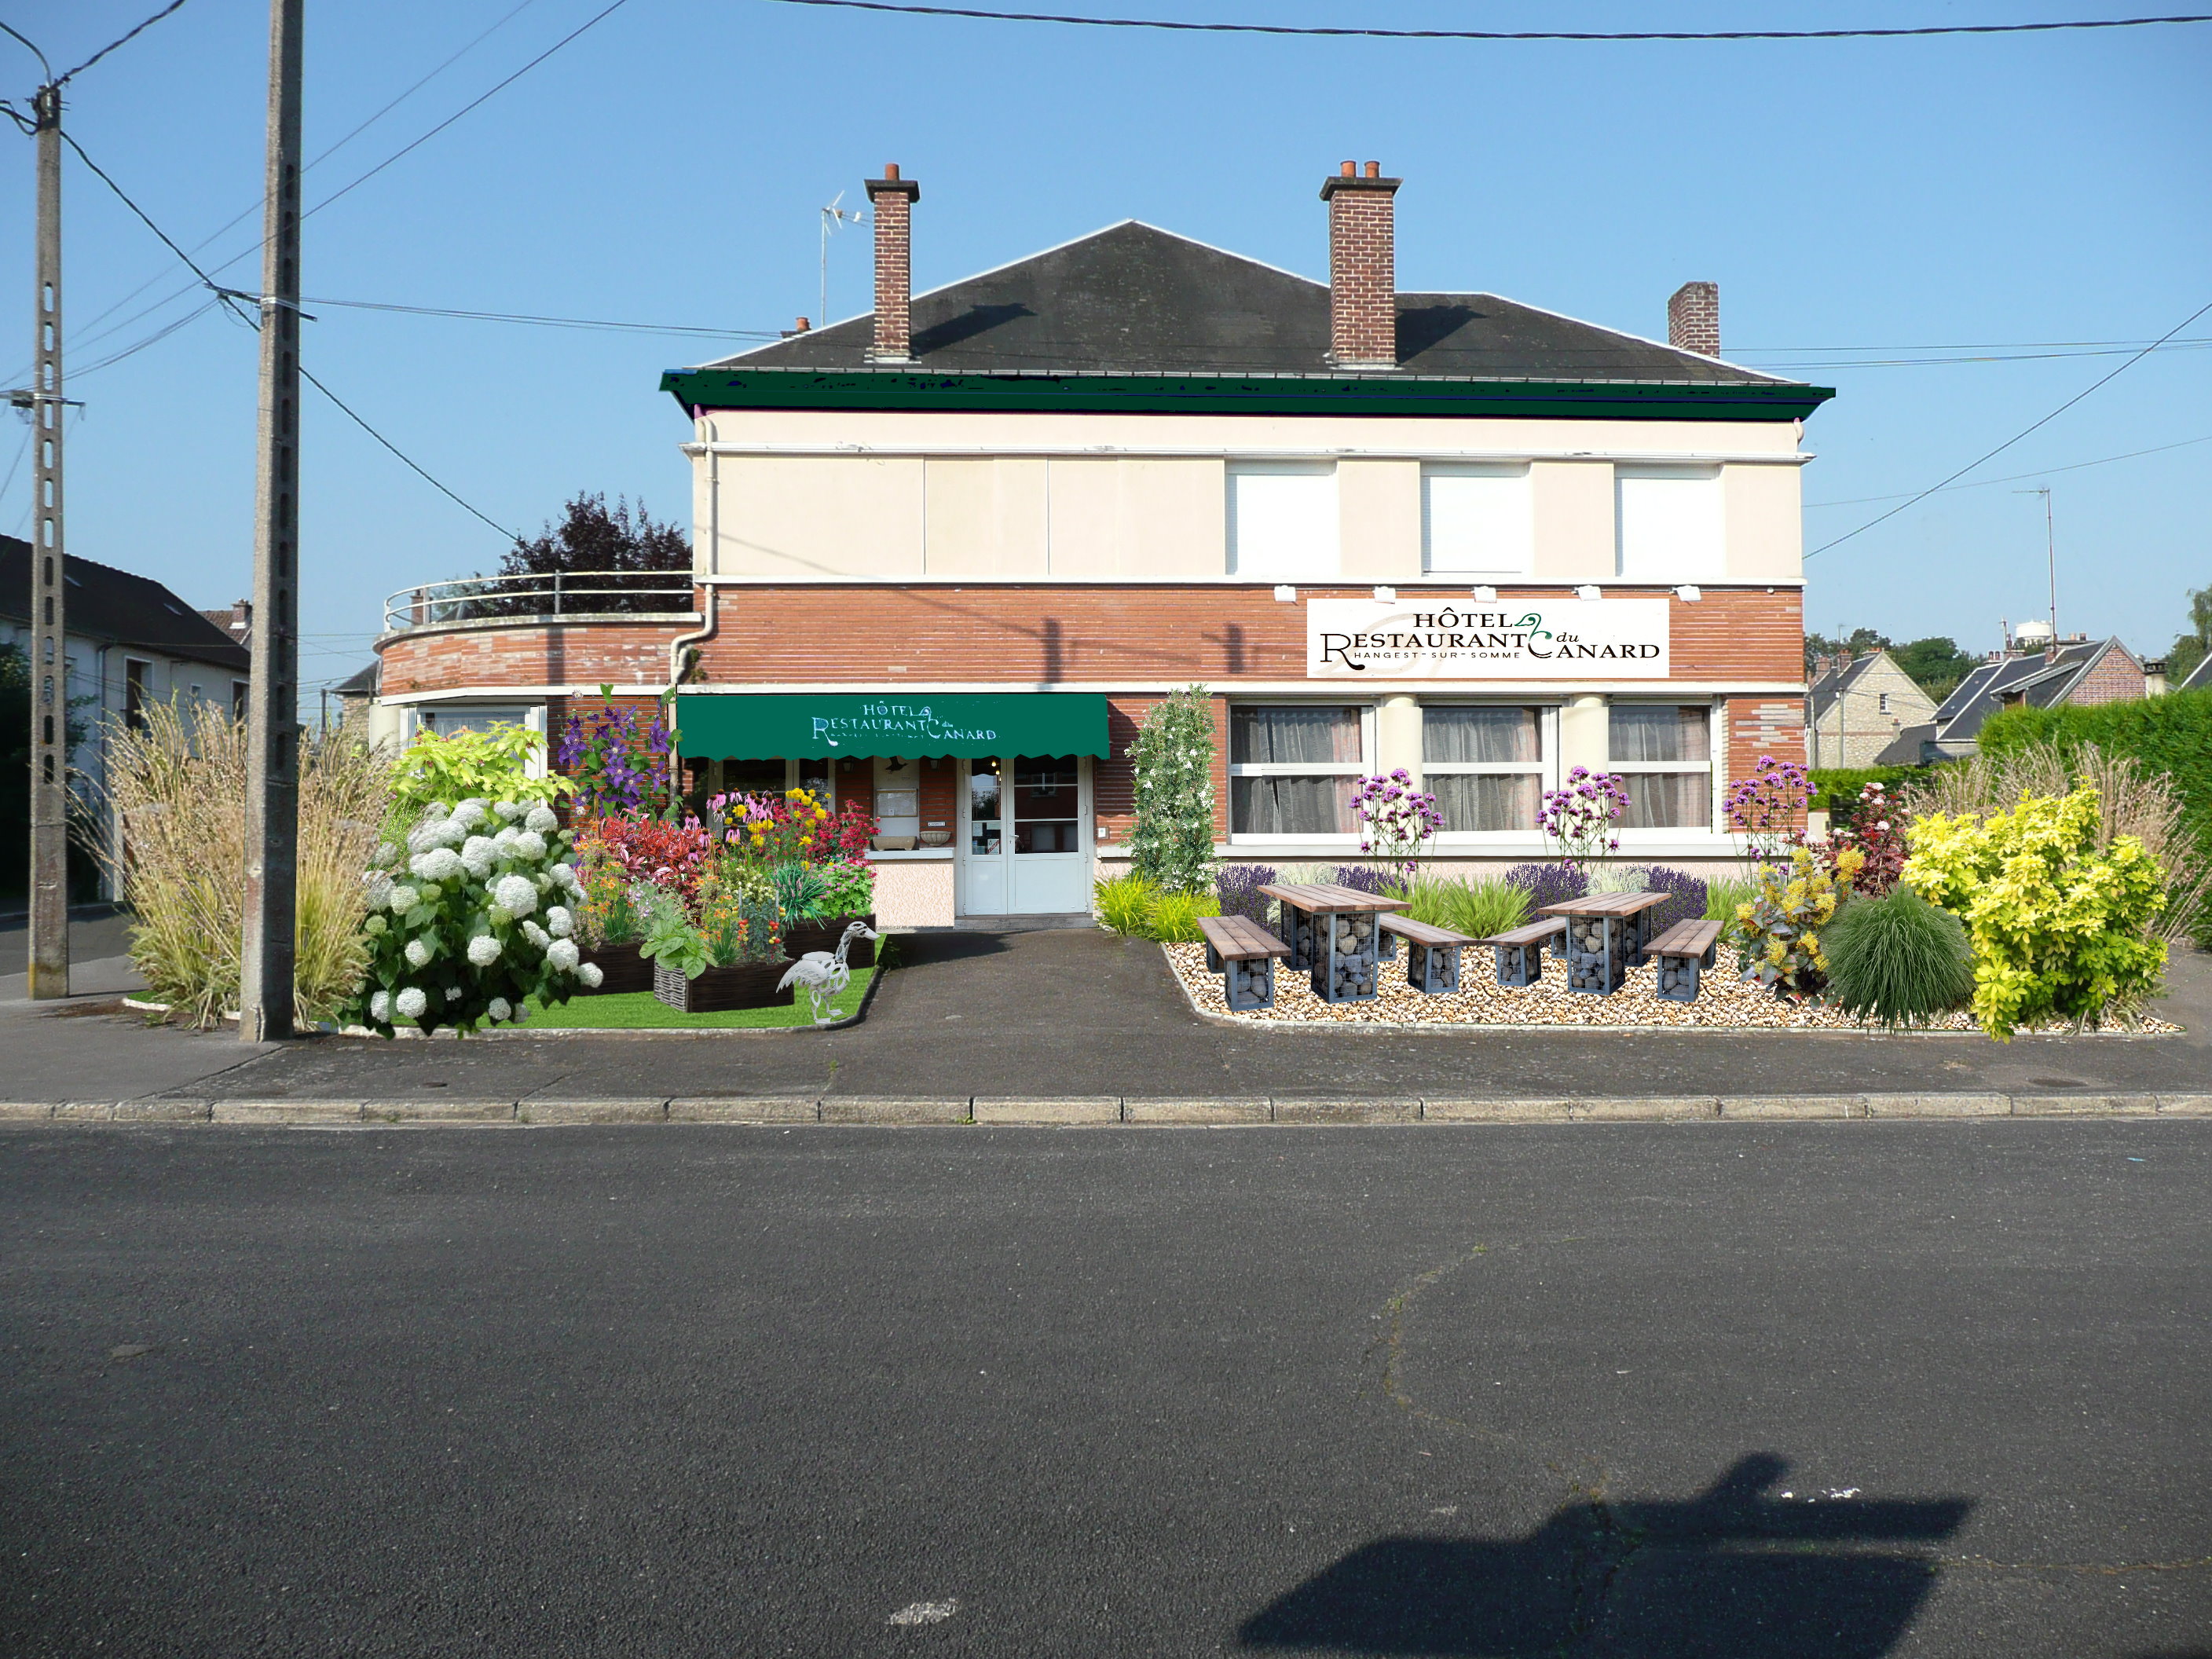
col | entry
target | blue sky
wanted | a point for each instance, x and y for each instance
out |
(667, 167)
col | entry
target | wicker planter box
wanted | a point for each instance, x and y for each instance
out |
(800, 936)
(748, 985)
(625, 968)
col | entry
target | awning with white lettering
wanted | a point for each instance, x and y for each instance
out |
(770, 724)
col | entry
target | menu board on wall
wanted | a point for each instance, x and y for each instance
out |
(1425, 637)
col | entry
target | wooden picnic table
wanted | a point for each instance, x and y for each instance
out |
(1333, 933)
(1607, 933)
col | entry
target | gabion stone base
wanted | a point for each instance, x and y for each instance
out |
(1433, 968)
(1520, 965)
(1345, 965)
(1298, 933)
(1599, 952)
(1678, 978)
(1250, 983)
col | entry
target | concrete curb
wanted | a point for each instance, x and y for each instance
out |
(988, 1110)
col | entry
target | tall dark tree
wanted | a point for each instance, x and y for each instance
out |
(596, 548)
(2193, 647)
(1936, 664)
(1859, 642)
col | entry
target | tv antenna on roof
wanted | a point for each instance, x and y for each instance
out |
(835, 218)
(2050, 553)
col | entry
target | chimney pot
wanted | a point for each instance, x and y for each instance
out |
(1362, 269)
(803, 326)
(893, 198)
(1693, 318)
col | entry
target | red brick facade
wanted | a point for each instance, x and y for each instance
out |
(2117, 678)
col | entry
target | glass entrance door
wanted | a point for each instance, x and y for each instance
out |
(1025, 837)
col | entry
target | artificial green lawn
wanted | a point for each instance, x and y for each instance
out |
(639, 1011)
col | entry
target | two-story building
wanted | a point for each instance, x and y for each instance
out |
(949, 553)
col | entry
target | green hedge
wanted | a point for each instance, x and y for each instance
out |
(1840, 785)
(2170, 734)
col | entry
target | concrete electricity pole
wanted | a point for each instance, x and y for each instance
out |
(49, 666)
(272, 803)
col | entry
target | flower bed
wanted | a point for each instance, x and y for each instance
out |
(1724, 1003)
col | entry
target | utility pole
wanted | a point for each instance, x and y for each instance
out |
(50, 952)
(272, 802)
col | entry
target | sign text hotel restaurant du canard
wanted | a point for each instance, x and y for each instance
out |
(1431, 638)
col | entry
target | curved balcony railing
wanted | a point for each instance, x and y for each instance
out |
(569, 593)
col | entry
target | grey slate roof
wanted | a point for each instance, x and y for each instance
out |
(2200, 678)
(106, 604)
(2037, 682)
(1132, 298)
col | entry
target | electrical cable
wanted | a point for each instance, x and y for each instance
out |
(125, 40)
(1491, 34)
(589, 22)
(553, 322)
(154, 338)
(230, 297)
(318, 160)
(2015, 477)
(2017, 436)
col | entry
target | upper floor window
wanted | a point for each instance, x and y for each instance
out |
(1476, 520)
(1282, 520)
(1670, 527)
(134, 674)
(1294, 769)
(1664, 753)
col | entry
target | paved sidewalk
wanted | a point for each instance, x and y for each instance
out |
(1079, 1015)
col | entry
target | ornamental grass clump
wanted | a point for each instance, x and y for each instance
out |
(1124, 904)
(2061, 929)
(1174, 919)
(177, 784)
(1898, 960)
(471, 919)
(1480, 906)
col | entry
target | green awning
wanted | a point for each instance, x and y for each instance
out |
(768, 724)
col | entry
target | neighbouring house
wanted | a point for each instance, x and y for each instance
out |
(130, 642)
(356, 693)
(1858, 706)
(949, 553)
(2075, 669)
(2198, 678)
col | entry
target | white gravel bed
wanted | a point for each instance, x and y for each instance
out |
(1724, 1002)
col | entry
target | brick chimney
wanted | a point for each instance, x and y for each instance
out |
(1693, 318)
(893, 198)
(1363, 268)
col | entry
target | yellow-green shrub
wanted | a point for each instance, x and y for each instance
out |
(2059, 929)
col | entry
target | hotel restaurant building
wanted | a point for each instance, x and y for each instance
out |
(947, 555)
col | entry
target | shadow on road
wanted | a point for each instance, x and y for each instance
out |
(1738, 1570)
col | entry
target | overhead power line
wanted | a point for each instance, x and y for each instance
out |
(2015, 477)
(2017, 436)
(230, 297)
(122, 40)
(556, 322)
(1492, 34)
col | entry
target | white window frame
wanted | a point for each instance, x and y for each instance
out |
(1545, 768)
(1519, 540)
(1362, 767)
(1707, 563)
(1629, 771)
(1252, 565)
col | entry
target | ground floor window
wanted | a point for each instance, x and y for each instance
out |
(1295, 767)
(1485, 765)
(1664, 753)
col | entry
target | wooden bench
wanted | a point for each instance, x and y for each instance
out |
(1521, 950)
(1431, 954)
(1244, 952)
(1682, 951)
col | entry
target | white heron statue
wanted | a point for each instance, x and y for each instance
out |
(823, 973)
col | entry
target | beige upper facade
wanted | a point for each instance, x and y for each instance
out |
(839, 496)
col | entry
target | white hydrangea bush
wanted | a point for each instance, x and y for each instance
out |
(471, 919)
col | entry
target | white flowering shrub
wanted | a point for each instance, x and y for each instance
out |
(471, 919)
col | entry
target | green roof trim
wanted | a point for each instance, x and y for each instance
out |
(1264, 394)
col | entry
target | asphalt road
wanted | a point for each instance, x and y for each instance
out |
(1730, 1389)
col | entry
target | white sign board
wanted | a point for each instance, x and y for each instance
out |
(1433, 638)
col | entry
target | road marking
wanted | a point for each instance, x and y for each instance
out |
(926, 1613)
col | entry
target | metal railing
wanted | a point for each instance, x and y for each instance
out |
(567, 593)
